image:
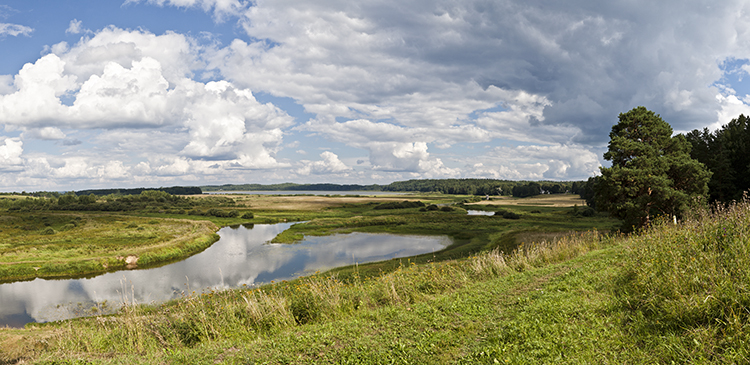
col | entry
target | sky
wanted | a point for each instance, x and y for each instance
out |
(150, 93)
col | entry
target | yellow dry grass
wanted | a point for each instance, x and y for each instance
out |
(309, 203)
(558, 200)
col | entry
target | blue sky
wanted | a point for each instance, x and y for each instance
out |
(97, 94)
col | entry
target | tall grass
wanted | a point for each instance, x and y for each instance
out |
(687, 286)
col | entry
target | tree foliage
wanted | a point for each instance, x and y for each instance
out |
(174, 190)
(652, 172)
(726, 153)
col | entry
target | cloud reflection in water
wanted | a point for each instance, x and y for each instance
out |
(241, 256)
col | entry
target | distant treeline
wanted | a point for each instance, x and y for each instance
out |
(147, 200)
(291, 187)
(175, 190)
(519, 189)
(445, 186)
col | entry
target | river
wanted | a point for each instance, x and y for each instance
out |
(242, 256)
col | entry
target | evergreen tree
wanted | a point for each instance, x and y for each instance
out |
(652, 172)
(726, 153)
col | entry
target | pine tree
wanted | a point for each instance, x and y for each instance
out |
(652, 172)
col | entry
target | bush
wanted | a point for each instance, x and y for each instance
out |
(402, 205)
(446, 209)
(248, 215)
(220, 213)
(48, 231)
(511, 215)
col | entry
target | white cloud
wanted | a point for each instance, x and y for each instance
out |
(471, 80)
(220, 8)
(330, 164)
(11, 150)
(536, 162)
(74, 27)
(14, 30)
(731, 107)
(46, 133)
(6, 84)
(583, 66)
(122, 81)
(113, 170)
(74, 168)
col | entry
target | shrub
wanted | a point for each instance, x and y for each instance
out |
(511, 215)
(402, 205)
(220, 213)
(248, 215)
(446, 209)
(48, 231)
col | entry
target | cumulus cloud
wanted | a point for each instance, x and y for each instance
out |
(330, 164)
(531, 87)
(537, 162)
(14, 30)
(570, 67)
(6, 84)
(220, 8)
(11, 150)
(46, 133)
(123, 82)
(74, 27)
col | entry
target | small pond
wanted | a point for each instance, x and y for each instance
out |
(242, 256)
(480, 212)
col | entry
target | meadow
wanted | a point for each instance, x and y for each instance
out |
(668, 294)
(76, 244)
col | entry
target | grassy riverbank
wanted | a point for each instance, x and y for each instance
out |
(38, 239)
(56, 244)
(672, 294)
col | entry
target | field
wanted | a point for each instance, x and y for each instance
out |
(670, 294)
(548, 283)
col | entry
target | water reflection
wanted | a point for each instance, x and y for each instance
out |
(241, 256)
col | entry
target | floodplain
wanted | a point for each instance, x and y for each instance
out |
(544, 280)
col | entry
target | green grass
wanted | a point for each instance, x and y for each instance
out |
(52, 244)
(671, 294)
